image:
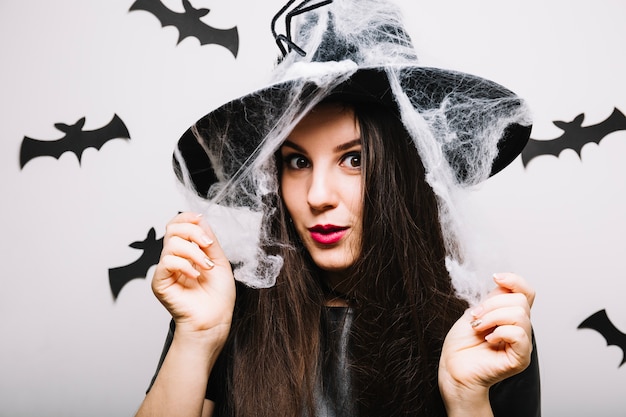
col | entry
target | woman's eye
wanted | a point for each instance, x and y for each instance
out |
(296, 162)
(352, 160)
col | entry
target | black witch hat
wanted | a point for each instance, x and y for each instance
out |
(359, 49)
(465, 128)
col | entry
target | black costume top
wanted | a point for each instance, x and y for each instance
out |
(517, 396)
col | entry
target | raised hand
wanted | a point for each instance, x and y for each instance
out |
(489, 343)
(193, 278)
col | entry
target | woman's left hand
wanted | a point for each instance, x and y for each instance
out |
(489, 343)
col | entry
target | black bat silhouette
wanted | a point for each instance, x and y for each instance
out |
(120, 276)
(601, 323)
(190, 25)
(574, 136)
(75, 140)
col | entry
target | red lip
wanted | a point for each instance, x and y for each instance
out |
(327, 234)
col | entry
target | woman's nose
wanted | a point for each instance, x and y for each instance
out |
(321, 194)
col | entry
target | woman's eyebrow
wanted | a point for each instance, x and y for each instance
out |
(348, 145)
(292, 145)
(338, 148)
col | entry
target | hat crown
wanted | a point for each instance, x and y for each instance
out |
(367, 32)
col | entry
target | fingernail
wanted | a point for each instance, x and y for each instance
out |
(476, 323)
(499, 276)
(206, 241)
(209, 262)
(477, 311)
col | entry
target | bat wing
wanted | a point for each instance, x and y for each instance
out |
(33, 148)
(228, 38)
(120, 276)
(601, 323)
(615, 122)
(190, 26)
(115, 129)
(535, 148)
(166, 16)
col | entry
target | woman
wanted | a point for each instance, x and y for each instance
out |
(363, 318)
(343, 239)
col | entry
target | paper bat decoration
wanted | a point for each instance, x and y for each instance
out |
(190, 25)
(574, 136)
(120, 276)
(601, 323)
(75, 140)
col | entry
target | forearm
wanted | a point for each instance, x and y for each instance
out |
(180, 386)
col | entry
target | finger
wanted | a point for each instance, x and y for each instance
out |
(507, 316)
(516, 338)
(182, 219)
(211, 246)
(198, 220)
(171, 265)
(188, 250)
(189, 231)
(510, 282)
(193, 227)
(187, 217)
(495, 302)
(516, 284)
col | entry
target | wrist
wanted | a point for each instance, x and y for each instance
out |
(198, 350)
(464, 401)
(468, 406)
(214, 337)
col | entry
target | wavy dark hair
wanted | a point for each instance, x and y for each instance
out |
(402, 298)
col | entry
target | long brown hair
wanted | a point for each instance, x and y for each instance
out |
(406, 300)
(404, 303)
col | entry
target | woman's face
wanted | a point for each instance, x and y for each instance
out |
(321, 185)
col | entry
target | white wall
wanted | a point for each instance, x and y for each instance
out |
(67, 348)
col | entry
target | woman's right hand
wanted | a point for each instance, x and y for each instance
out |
(194, 279)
